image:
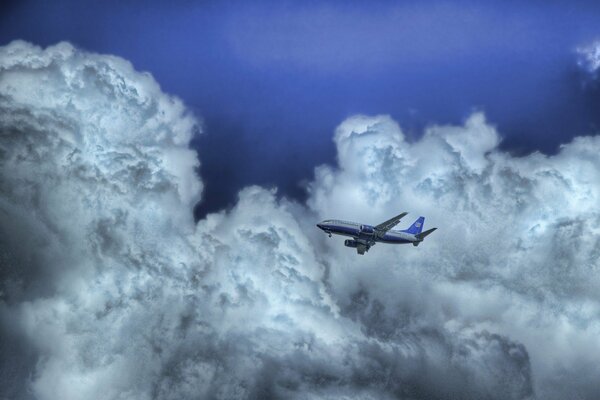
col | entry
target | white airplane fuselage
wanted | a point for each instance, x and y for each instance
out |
(353, 229)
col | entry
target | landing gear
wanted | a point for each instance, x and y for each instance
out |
(330, 235)
(362, 249)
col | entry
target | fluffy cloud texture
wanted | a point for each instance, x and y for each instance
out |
(590, 57)
(110, 291)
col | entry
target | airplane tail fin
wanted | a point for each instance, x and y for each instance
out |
(416, 227)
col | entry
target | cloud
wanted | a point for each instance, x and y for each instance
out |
(115, 293)
(96, 177)
(517, 249)
(589, 57)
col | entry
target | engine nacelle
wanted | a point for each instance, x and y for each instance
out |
(351, 243)
(367, 230)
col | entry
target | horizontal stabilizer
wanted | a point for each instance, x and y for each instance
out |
(422, 235)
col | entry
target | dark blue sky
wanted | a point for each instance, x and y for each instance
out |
(271, 80)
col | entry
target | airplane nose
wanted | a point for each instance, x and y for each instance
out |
(320, 226)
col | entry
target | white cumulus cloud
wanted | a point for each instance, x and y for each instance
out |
(110, 291)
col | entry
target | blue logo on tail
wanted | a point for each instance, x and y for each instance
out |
(416, 227)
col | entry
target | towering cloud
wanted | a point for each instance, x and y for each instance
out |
(110, 291)
(96, 198)
(517, 249)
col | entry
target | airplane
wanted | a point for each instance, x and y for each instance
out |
(365, 236)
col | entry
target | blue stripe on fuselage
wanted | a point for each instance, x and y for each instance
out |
(387, 238)
(390, 237)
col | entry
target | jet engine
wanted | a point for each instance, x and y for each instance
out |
(367, 229)
(351, 243)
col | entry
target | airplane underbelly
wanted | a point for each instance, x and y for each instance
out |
(346, 234)
(394, 239)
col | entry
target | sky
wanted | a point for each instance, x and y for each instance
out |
(162, 169)
(271, 80)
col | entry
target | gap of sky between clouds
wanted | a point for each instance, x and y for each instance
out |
(272, 80)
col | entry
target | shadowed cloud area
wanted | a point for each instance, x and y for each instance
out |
(271, 80)
(110, 290)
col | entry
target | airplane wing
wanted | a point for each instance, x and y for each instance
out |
(389, 224)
